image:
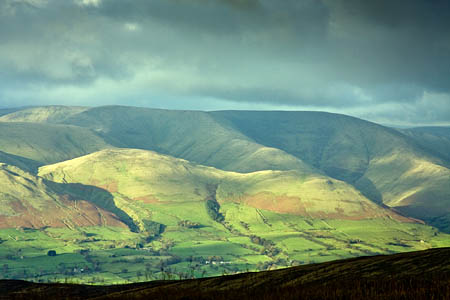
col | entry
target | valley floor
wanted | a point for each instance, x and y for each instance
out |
(111, 255)
(412, 275)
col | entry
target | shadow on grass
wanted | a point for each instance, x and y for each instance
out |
(98, 196)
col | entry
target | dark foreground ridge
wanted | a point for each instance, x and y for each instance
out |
(412, 275)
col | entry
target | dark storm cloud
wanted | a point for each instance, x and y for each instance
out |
(404, 41)
(294, 19)
(370, 58)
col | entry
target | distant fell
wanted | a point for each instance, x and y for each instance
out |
(404, 169)
(45, 114)
(434, 139)
(47, 143)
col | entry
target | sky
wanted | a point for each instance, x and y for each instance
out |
(385, 61)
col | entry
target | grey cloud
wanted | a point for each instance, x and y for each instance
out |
(430, 109)
(405, 41)
(294, 19)
(345, 55)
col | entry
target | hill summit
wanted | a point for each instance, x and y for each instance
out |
(126, 193)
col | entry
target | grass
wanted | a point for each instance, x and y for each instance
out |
(291, 186)
(48, 143)
(413, 275)
(399, 168)
(148, 177)
(395, 167)
(313, 242)
(249, 238)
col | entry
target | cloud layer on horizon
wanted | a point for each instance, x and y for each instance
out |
(387, 61)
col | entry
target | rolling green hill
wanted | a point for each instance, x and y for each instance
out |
(258, 220)
(20, 162)
(433, 139)
(48, 114)
(47, 143)
(191, 135)
(388, 166)
(138, 177)
(6, 111)
(28, 201)
(115, 188)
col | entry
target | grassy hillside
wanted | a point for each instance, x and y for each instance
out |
(20, 162)
(396, 168)
(46, 114)
(414, 275)
(191, 135)
(199, 221)
(6, 111)
(386, 165)
(47, 143)
(28, 201)
(235, 191)
(139, 177)
(433, 139)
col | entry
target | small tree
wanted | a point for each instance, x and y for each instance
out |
(51, 253)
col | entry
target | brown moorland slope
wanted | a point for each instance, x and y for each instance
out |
(152, 178)
(29, 201)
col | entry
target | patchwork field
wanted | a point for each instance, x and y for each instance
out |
(119, 195)
(98, 255)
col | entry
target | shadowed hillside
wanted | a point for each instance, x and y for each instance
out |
(224, 192)
(20, 162)
(433, 139)
(388, 166)
(48, 143)
(28, 201)
(6, 111)
(413, 275)
(191, 135)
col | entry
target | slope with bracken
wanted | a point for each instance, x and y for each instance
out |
(180, 212)
(30, 202)
(386, 165)
(138, 177)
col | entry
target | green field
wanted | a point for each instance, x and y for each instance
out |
(100, 255)
(126, 194)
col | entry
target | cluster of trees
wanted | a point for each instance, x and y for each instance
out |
(212, 208)
(189, 224)
(269, 265)
(245, 225)
(154, 229)
(261, 241)
(269, 246)
(216, 258)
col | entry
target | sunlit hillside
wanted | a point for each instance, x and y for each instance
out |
(130, 194)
